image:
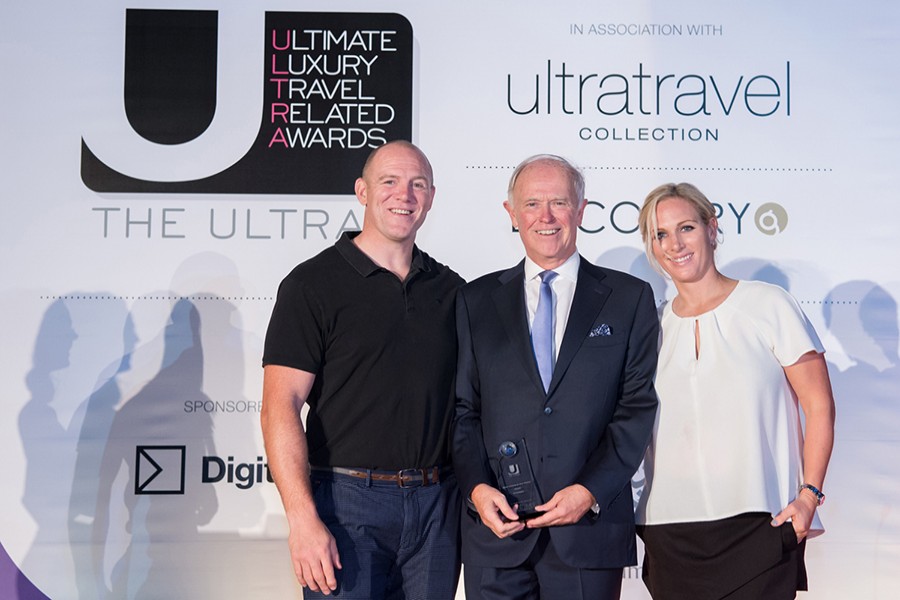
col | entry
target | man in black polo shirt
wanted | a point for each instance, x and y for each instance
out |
(364, 334)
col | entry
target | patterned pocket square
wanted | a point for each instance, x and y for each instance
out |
(600, 330)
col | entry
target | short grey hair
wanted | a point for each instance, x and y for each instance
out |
(576, 179)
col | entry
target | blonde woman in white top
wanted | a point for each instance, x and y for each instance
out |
(732, 481)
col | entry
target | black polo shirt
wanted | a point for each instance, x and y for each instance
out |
(383, 352)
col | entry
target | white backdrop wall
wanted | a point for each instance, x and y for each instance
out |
(137, 284)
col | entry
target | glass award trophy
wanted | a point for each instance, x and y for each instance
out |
(516, 479)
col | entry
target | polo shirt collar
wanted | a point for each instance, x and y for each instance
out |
(364, 265)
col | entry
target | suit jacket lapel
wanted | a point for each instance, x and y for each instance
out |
(509, 300)
(590, 296)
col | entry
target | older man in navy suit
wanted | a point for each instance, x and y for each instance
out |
(555, 405)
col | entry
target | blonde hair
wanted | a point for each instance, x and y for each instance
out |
(647, 218)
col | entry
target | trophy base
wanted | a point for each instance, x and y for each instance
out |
(527, 515)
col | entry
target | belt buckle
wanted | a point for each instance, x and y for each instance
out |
(410, 475)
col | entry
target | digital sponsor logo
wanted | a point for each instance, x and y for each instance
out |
(335, 86)
(159, 470)
(244, 475)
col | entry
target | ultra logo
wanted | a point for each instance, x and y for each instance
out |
(334, 86)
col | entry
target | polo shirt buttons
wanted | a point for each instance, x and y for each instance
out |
(547, 410)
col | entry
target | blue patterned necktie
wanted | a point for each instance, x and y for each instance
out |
(542, 329)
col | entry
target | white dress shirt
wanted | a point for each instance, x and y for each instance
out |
(563, 287)
(563, 291)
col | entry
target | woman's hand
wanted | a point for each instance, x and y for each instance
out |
(801, 512)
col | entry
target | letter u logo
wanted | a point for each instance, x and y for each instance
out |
(193, 110)
(170, 73)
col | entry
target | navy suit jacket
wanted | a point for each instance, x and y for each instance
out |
(592, 426)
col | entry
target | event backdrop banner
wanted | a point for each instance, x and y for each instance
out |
(165, 164)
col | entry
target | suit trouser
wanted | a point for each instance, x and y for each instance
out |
(542, 576)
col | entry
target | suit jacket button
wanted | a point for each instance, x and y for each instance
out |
(547, 410)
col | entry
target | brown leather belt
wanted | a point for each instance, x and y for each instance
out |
(405, 478)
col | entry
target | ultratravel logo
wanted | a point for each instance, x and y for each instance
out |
(334, 86)
(159, 470)
(676, 103)
(561, 91)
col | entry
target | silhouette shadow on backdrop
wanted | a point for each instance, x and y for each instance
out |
(634, 261)
(93, 420)
(45, 443)
(863, 317)
(754, 269)
(162, 516)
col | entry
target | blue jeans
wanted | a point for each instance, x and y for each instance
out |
(395, 543)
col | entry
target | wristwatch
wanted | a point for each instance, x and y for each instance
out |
(820, 497)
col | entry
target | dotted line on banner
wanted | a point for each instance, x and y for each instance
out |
(830, 302)
(724, 169)
(160, 297)
(815, 302)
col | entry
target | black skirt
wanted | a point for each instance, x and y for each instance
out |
(737, 558)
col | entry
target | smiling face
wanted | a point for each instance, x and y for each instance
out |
(683, 245)
(547, 213)
(397, 190)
